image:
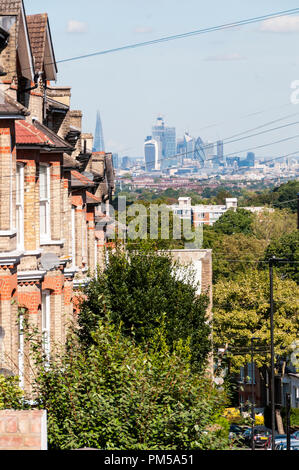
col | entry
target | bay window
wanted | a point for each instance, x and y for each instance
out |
(44, 192)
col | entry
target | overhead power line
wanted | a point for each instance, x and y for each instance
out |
(188, 34)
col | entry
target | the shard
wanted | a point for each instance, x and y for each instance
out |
(99, 145)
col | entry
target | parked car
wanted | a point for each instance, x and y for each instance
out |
(283, 445)
(261, 436)
(279, 438)
(282, 439)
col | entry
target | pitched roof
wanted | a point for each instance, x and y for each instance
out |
(91, 198)
(53, 105)
(41, 44)
(10, 6)
(78, 180)
(10, 107)
(16, 8)
(27, 134)
(57, 141)
(70, 162)
(37, 134)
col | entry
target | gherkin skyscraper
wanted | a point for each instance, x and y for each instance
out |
(99, 145)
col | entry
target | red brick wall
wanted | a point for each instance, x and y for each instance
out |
(23, 430)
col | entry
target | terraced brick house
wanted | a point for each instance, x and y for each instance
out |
(53, 190)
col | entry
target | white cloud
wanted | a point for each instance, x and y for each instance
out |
(143, 30)
(225, 57)
(75, 26)
(284, 24)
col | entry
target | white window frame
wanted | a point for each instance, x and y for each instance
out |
(20, 182)
(46, 323)
(84, 242)
(45, 202)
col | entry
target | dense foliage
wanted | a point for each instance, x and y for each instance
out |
(242, 311)
(11, 396)
(231, 222)
(114, 394)
(139, 290)
(286, 248)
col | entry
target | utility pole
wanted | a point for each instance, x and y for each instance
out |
(271, 262)
(288, 410)
(252, 397)
(297, 211)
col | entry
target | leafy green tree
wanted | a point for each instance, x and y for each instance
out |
(286, 195)
(116, 395)
(221, 196)
(231, 222)
(286, 247)
(271, 225)
(11, 396)
(235, 254)
(139, 290)
(242, 311)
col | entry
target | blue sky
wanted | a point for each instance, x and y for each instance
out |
(207, 84)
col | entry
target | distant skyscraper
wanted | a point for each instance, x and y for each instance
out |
(115, 160)
(167, 137)
(125, 163)
(98, 145)
(220, 150)
(152, 153)
(251, 159)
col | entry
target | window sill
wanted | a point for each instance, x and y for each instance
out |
(8, 233)
(52, 242)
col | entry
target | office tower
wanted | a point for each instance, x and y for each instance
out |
(152, 154)
(167, 138)
(250, 159)
(199, 153)
(115, 160)
(125, 163)
(233, 161)
(209, 149)
(170, 158)
(189, 146)
(220, 150)
(99, 145)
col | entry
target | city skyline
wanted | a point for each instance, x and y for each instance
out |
(240, 78)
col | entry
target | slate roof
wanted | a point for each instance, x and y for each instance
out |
(70, 162)
(79, 181)
(10, 107)
(53, 105)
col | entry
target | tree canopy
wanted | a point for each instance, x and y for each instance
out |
(287, 248)
(116, 395)
(242, 311)
(141, 288)
(231, 222)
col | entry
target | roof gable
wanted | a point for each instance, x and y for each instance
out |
(16, 8)
(42, 45)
